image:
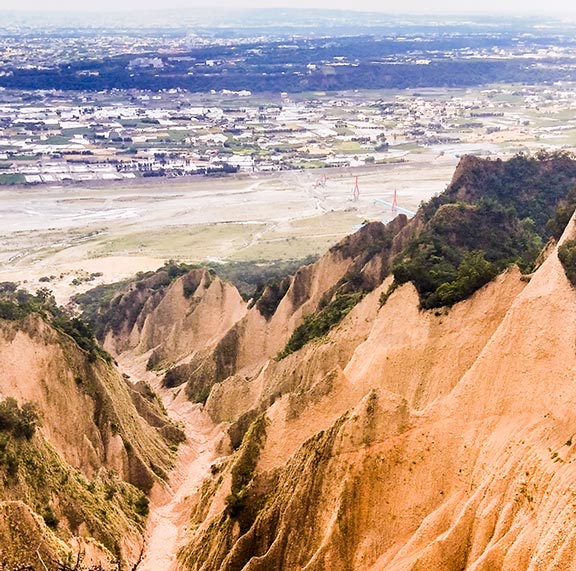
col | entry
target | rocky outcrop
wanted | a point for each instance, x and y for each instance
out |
(193, 312)
(85, 469)
(444, 442)
(357, 264)
(406, 440)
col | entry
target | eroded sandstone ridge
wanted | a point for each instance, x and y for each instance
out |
(80, 446)
(398, 437)
(405, 403)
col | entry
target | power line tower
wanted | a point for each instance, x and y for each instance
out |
(321, 182)
(356, 191)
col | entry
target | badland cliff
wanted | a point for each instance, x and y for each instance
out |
(406, 402)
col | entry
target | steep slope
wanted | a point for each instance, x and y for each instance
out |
(475, 474)
(79, 446)
(173, 312)
(346, 271)
(338, 404)
(493, 214)
(366, 432)
(406, 440)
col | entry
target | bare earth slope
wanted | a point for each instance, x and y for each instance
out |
(473, 471)
(401, 440)
(189, 315)
(78, 483)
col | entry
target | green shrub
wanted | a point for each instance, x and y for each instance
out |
(20, 422)
(50, 518)
(10, 310)
(82, 334)
(385, 295)
(320, 323)
(567, 256)
(474, 271)
(444, 276)
(8, 458)
(16, 304)
(142, 506)
(270, 295)
(562, 214)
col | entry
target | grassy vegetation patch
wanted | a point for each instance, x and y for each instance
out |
(106, 507)
(245, 466)
(320, 323)
(311, 164)
(55, 140)
(350, 147)
(198, 241)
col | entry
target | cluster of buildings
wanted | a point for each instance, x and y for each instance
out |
(49, 136)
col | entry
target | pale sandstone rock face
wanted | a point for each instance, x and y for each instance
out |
(402, 440)
(84, 407)
(193, 313)
(412, 440)
(91, 434)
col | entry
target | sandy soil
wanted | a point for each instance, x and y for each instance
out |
(170, 506)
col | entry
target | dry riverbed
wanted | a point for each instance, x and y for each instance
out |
(70, 238)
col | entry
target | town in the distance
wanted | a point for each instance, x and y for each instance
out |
(113, 100)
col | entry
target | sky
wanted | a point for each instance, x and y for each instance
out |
(519, 7)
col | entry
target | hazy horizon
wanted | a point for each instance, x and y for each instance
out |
(446, 7)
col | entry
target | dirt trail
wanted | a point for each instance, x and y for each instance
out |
(170, 504)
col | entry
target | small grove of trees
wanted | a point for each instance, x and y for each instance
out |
(474, 271)
(442, 283)
(564, 211)
(496, 213)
